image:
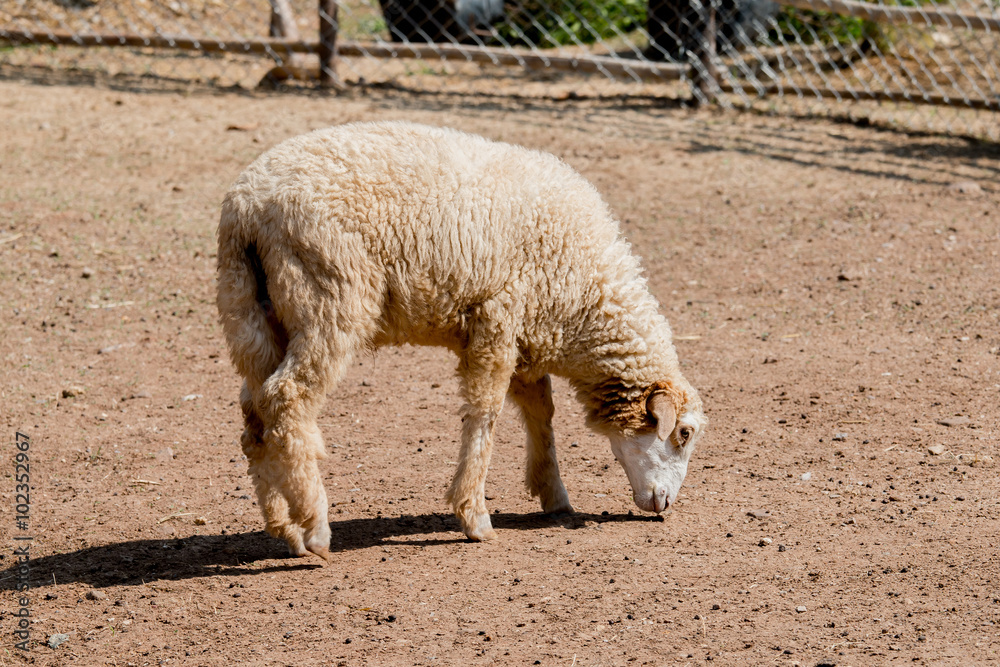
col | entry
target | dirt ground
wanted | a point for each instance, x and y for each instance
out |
(835, 292)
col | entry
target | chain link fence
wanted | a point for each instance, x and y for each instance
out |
(918, 64)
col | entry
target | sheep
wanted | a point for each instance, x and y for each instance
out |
(349, 238)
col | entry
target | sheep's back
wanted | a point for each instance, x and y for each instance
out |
(447, 220)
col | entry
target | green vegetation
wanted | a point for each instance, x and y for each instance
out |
(547, 25)
(372, 25)
(808, 27)
(828, 28)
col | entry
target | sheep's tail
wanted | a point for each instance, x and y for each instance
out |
(256, 337)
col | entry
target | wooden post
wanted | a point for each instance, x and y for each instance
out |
(704, 70)
(287, 65)
(328, 77)
(283, 21)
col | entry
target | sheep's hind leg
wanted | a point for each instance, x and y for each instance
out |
(292, 397)
(272, 504)
(296, 483)
(542, 472)
(291, 491)
(485, 369)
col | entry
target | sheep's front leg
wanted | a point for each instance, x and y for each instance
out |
(542, 473)
(485, 369)
(467, 494)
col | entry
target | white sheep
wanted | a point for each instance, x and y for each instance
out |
(363, 235)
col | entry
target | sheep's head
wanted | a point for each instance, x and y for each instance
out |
(656, 458)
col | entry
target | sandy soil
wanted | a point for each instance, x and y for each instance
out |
(836, 298)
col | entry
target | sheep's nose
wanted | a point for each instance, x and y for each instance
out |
(661, 500)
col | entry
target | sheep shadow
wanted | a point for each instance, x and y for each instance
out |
(137, 562)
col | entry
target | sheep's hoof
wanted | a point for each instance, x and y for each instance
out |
(322, 552)
(480, 529)
(484, 536)
(293, 536)
(557, 505)
(317, 540)
(297, 551)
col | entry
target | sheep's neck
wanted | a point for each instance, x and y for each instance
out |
(613, 377)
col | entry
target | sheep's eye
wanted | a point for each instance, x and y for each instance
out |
(685, 434)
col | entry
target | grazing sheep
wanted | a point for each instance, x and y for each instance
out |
(354, 237)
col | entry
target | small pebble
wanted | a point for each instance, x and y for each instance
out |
(936, 450)
(966, 188)
(57, 639)
(87, 272)
(97, 595)
(801, 609)
(113, 348)
(764, 542)
(781, 547)
(840, 436)
(806, 476)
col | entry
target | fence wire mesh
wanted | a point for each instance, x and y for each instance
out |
(918, 64)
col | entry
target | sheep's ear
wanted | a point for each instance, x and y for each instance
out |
(661, 408)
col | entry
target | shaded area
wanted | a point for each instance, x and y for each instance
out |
(930, 159)
(188, 73)
(143, 561)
